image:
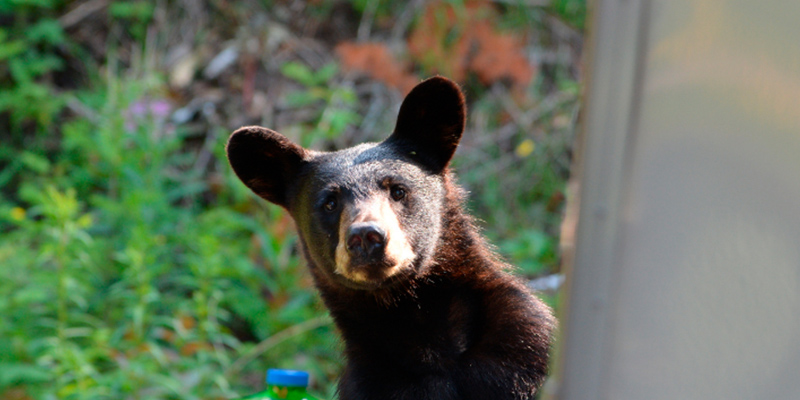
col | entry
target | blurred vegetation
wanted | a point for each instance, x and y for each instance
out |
(134, 265)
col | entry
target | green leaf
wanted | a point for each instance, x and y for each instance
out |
(138, 10)
(31, 3)
(46, 31)
(572, 12)
(11, 49)
(532, 251)
(18, 373)
(301, 99)
(298, 72)
(339, 120)
(326, 73)
(35, 162)
(9, 171)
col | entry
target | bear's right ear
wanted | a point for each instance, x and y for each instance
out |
(265, 161)
(430, 123)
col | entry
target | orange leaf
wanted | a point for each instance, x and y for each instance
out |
(454, 40)
(377, 61)
(187, 322)
(193, 347)
(499, 56)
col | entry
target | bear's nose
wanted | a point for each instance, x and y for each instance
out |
(365, 239)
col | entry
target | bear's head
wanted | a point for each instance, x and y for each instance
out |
(370, 215)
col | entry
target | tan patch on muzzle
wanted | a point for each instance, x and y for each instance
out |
(398, 253)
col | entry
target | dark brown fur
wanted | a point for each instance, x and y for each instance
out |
(455, 324)
(464, 330)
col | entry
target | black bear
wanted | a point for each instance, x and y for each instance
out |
(426, 309)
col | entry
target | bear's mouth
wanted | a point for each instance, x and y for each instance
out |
(373, 275)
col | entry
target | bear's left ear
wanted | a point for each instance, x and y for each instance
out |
(431, 122)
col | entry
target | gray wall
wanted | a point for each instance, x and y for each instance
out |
(684, 282)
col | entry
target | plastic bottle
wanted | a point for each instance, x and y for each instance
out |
(284, 384)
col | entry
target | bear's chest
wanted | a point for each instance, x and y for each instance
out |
(433, 331)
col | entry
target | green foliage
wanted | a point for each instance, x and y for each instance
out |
(135, 15)
(338, 103)
(28, 53)
(534, 250)
(380, 8)
(572, 12)
(118, 282)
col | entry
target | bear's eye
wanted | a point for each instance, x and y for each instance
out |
(330, 203)
(397, 193)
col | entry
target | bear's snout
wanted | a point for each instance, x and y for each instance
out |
(366, 240)
(372, 245)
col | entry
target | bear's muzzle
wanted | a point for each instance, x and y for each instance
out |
(372, 245)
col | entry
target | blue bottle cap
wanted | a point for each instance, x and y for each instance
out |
(287, 377)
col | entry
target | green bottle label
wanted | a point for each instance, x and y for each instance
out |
(275, 392)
